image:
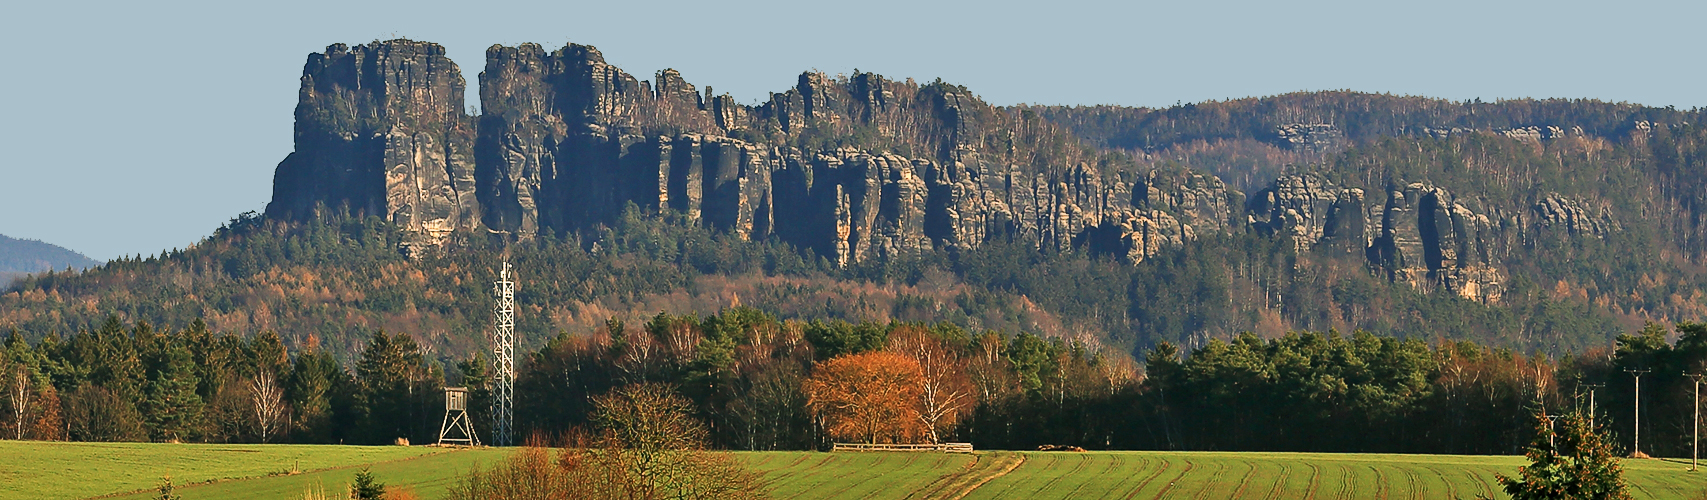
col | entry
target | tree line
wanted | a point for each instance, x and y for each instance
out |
(760, 383)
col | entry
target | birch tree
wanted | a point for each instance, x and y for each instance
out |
(268, 397)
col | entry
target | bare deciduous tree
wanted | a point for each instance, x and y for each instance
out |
(268, 397)
(652, 448)
(18, 392)
(945, 392)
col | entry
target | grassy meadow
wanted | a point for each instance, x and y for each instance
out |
(128, 470)
(36, 469)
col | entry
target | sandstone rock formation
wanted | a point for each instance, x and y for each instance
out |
(1312, 211)
(1420, 235)
(853, 167)
(1426, 239)
(1576, 215)
(380, 129)
(1314, 137)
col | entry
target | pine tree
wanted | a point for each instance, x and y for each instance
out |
(314, 381)
(268, 352)
(394, 383)
(1576, 463)
(213, 360)
(366, 488)
(109, 358)
(170, 405)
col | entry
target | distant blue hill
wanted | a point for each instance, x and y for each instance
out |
(20, 257)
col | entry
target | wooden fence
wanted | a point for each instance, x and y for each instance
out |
(948, 447)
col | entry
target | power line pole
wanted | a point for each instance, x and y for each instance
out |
(1552, 431)
(1591, 408)
(504, 359)
(1638, 374)
(1695, 444)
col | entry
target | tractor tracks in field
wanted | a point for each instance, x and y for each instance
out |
(985, 468)
(1152, 477)
(1279, 483)
(1315, 474)
(1172, 482)
(1220, 469)
(1451, 489)
(1245, 481)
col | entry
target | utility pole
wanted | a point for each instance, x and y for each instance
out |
(1552, 431)
(1638, 374)
(1695, 444)
(1591, 409)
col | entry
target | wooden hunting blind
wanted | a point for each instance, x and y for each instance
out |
(456, 399)
(457, 427)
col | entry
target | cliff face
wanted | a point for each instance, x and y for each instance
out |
(854, 168)
(1428, 239)
(380, 129)
(1420, 235)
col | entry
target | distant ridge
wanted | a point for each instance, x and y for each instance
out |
(20, 257)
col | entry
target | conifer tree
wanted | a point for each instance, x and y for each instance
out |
(171, 406)
(314, 381)
(211, 356)
(366, 487)
(394, 382)
(1575, 463)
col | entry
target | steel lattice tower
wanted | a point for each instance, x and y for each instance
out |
(504, 359)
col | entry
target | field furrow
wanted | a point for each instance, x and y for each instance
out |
(1189, 465)
(1245, 480)
(1279, 482)
(1163, 465)
(1315, 479)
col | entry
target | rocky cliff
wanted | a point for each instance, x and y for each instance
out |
(1417, 233)
(851, 167)
(1420, 235)
(380, 129)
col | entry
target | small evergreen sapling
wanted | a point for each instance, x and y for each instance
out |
(1575, 463)
(366, 488)
(165, 488)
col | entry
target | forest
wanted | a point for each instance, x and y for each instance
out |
(759, 383)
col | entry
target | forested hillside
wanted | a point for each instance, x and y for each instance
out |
(1585, 236)
(1518, 238)
(19, 257)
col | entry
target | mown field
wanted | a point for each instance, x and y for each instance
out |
(84, 470)
(33, 469)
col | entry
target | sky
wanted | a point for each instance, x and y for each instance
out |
(137, 127)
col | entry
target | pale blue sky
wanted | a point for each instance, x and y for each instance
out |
(135, 128)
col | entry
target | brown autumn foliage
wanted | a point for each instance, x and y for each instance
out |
(651, 448)
(946, 395)
(869, 397)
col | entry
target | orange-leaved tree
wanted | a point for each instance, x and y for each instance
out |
(869, 397)
(945, 392)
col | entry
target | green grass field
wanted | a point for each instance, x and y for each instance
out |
(83, 470)
(34, 469)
